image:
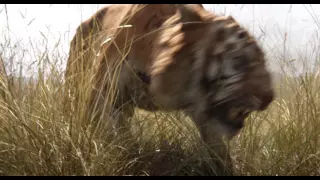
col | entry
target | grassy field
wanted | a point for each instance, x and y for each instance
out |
(39, 138)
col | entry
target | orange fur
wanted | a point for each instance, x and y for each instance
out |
(195, 61)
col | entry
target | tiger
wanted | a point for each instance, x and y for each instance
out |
(177, 57)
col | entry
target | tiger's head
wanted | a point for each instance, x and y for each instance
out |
(212, 67)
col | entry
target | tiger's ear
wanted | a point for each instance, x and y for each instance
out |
(188, 12)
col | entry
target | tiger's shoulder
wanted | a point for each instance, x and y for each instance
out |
(120, 25)
(141, 18)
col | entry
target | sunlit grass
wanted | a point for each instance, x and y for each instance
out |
(38, 137)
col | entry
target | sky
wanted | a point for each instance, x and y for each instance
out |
(29, 23)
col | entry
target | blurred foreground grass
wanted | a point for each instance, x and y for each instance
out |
(36, 138)
(39, 138)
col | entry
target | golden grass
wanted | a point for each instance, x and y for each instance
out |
(39, 138)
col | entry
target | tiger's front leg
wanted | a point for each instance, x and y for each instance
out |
(133, 93)
(217, 148)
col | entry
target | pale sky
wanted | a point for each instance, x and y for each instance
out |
(269, 22)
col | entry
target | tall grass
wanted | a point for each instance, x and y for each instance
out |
(38, 137)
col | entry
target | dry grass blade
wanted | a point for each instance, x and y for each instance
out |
(38, 137)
